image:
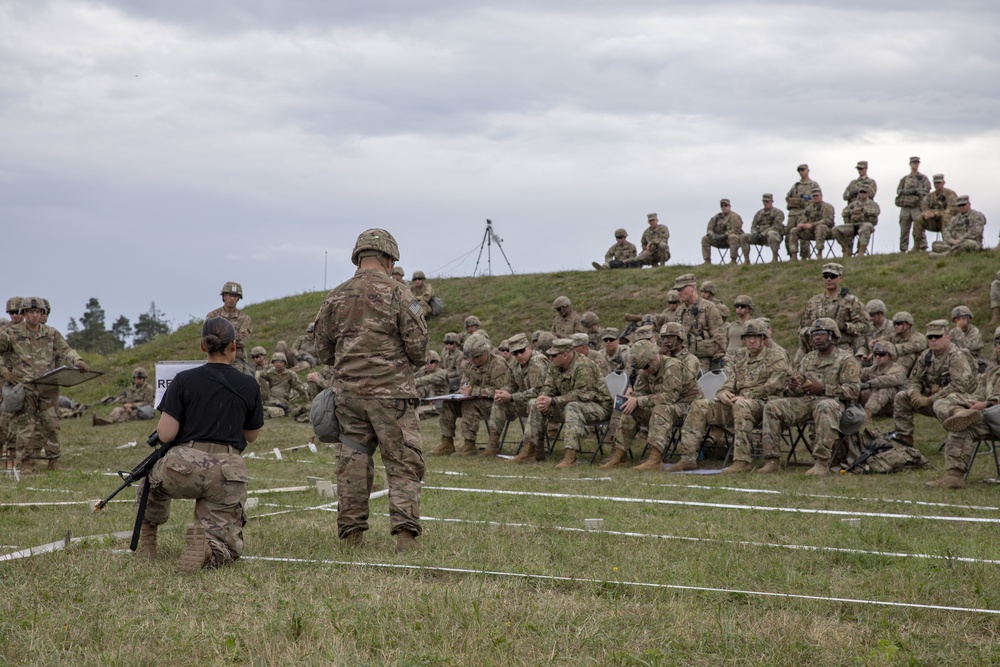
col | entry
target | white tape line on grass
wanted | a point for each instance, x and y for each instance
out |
(327, 507)
(61, 544)
(639, 584)
(772, 492)
(62, 502)
(550, 479)
(683, 538)
(730, 506)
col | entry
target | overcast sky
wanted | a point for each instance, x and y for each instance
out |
(151, 151)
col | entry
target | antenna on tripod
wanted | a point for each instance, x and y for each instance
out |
(489, 237)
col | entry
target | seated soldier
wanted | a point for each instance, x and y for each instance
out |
(860, 217)
(816, 224)
(767, 228)
(304, 350)
(424, 293)
(826, 380)
(574, 392)
(962, 416)
(510, 402)
(881, 381)
(139, 395)
(279, 387)
(654, 404)
(941, 371)
(965, 334)
(753, 375)
(655, 244)
(962, 233)
(724, 230)
(909, 342)
(259, 356)
(620, 255)
(431, 380)
(592, 327)
(482, 376)
(615, 353)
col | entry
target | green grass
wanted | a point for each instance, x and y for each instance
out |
(93, 604)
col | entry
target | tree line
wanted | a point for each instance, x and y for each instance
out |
(91, 334)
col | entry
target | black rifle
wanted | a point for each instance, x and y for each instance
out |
(137, 473)
(871, 449)
(112, 399)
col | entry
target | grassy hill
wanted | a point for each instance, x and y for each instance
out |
(510, 304)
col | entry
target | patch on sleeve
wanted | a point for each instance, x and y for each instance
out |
(414, 308)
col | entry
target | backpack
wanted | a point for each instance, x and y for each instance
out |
(323, 415)
(437, 306)
(883, 455)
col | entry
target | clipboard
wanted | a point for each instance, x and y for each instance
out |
(66, 376)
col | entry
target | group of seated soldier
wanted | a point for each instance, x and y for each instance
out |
(925, 205)
(849, 354)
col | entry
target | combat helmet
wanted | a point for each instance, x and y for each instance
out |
(30, 302)
(417, 275)
(875, 306)
(398, 271)
(754, 328)
(827, 324)
(475, 345)
(673, 329)
(232, 288)
(744, 300)
(139, 372)
(433, 356)
(373, 241)
(14, 304)
(471, 321)
(561, 302)
(642, 353)
(589, 319)
(961, 311)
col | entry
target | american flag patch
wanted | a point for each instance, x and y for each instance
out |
(414, 308)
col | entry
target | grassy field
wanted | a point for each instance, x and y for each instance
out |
(511, 578)
(507, 575)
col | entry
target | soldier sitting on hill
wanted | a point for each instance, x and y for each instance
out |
(279, 387)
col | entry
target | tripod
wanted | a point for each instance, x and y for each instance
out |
(488, 238)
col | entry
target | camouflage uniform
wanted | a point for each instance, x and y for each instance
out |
(934, 376)
(910, 193)
(523, 384)
(659, 407)
(860, 218)
(564, 327)
(883, 332)
(960, 444)
(966, 228)
(372, 331)
(755, 378)
(767, 228)
(578, 394)
(879, 386)
(485, 380)
(846, 310)
(941, 206)
(451, 362)
(655, 246)
(424, 294)
(820, 215)
(431, 383)
(276, 390)
(136, 397)
(620, 360)
(798, 197)
(840, 372)
(303, 353)
(970, 339)
(725, 230)
(244, 329)
(852, 189)
(706, 335)
(618, 254)
(28, 355)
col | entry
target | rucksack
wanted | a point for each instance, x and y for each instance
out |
(437, 306)
(323, 416)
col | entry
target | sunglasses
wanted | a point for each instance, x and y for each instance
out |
(934, 336)
(741, 305)
(830, 276)
(519, 352)
(619, 237)
(899, 324)
(608, 340)
(881, 354)
(800, 170)
(258, 356)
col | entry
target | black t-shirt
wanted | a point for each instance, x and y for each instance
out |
(208, 411)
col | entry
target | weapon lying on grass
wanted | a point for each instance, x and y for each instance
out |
(874, 447)
(137, 473)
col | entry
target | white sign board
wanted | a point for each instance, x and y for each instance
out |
(166, 371)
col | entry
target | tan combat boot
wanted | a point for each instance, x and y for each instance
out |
(354, 539)
(468, 449)
(527, 452)
(493, 446)
(597, 266)
(774, 260)
(55, 465)
(962, 419)
(568, 460)
(619, 459)
(794, 257)
(746, 256)
(820, 469)
(681, 466)
(862, 251)
(407, 541)
(197, 552)
(953, 479)
(653, 462)
(147, 542)
(99, 421)
(771, 466)
(737, 467)
(447, 447)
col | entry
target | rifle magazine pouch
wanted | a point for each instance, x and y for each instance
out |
(323, 416)
(13, 398)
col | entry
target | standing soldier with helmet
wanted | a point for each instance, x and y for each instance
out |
(372, 331)
(231, 295)
(29, 350)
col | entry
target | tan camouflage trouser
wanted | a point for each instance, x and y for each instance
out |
(772, 240)
(36, 427)
(450, 412)
(945, 248)
(656, 254)
(959, 446)
(391, 426)
(902, 413)
(845, 236)
(731, 241)
(744, 415)
(824, 412)
(795, 216)
(216, 480)
(501, 413)
(907, 218)
(920, 228)
(659, 419)
(574, 416)
(878, 401)
(798, 240)
(473, 412)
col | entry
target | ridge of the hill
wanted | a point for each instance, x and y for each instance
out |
(508, 304)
